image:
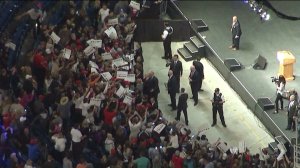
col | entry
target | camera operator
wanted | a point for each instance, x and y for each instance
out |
(280, 90)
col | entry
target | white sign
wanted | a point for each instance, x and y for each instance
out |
(119, 62)
(95, 43)
(89, 50)
(135, 5)
(122, 74)
(223, 147)
(111, 33)
(159, 128)
(95, 101)
(54, 37)
(127, 100)
(106, 75)
(106, 56)
(66, 53)
(120, 92)
(10, 45)
(93, 65)
(94, 70)
(112, 22)
(130, 78)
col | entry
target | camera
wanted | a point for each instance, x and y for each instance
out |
(275, 79)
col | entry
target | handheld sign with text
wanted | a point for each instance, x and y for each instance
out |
(106, 75)
(112, 22)
(89, 50)
(122, 74)
(127, 100)
(135, 5)
(106, 56)
(55, 37)
(111, 33)
(120, 92)
(66, 53)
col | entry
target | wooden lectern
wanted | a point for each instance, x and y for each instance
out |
(286, 61)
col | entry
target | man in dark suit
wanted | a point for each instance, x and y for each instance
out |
(292, 113)
(167, 39)
(182, 106)
(153, 86)
(194, 83)
(176, 67)
(236, 33)
(199, 68)
(172, 85)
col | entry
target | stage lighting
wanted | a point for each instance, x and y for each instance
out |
(245, 1)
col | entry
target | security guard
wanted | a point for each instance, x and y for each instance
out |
(166, 36)
(217, 106)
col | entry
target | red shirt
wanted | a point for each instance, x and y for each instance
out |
(108, 116)
(177, 161)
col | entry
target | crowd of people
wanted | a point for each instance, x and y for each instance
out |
(78, 109)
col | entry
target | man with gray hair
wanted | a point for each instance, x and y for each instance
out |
(194, 83)
(292, 113)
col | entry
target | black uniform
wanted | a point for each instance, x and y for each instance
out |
(182, 106)
(199, 68)
(167, 43)
(194, 85)
(217, 106)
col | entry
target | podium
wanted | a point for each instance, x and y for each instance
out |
(286, 64)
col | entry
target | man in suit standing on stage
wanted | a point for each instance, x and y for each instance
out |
(182, 106)
(236, 33)
(194, 83)
(176, 67)
(292, 113)
(199, 68)
(172, 85)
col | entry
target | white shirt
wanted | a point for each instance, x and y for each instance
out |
(76, 135)
(60, 143)
(174, 141)
(165, 34)
(280, 88)
(103, 13)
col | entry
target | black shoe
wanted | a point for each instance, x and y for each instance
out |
(187, 124)
(173, 109)
(224, 125)
(213, 125)
(164, 57)
(169, 104)
(195, 104)
(201, 90)
(288, 129)
(191, 98)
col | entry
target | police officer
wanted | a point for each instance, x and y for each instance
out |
(166, 36)
(217, 106)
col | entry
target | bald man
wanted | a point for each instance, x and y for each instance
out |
(236, 33)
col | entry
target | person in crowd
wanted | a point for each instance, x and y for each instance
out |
(142, 161)
(236, 32)
(172, 86)
(194, 83)
(77, 141)
(153, 86)
(200, 69)
(182, 106)
(177, 161)
(167, 39)
(280, 87)
(176, 67)
(217, 106)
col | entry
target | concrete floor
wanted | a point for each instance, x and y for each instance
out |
(242, 125)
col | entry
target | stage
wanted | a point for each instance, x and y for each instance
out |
(264, 38)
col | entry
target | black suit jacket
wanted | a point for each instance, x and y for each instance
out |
(199, 68)
(194, 80)
(153, 84)
(292, 110)
(236, 29)
(172, 85)
(176, 68)
(182, 101)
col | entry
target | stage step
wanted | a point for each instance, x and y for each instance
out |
(196, 41)
(273, 146)
(185, 54)
(191, 48)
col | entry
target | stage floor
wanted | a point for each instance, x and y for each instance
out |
(264, 38)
